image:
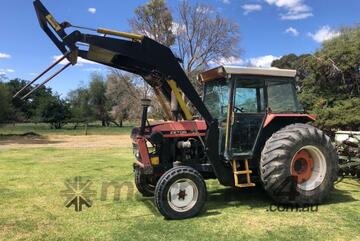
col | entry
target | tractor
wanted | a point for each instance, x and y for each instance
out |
(250, 129)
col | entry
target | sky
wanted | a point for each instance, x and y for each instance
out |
(269, 29)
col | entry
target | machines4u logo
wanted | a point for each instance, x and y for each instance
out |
(78, 193)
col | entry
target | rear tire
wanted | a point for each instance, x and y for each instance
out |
(299, 165)
(144, 184)
(180, 193)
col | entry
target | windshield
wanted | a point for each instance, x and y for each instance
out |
(249, 95)
(253, 94)
(216, 98)
(282, 96)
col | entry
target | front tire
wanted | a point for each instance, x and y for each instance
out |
(299, 165)
(144, 183)
(180, 193)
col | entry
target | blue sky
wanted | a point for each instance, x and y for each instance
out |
(269, 29)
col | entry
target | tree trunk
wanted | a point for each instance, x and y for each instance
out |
(86, 129)
(103, 123)
(120, 124)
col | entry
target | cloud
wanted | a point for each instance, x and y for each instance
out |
(248, 8)
(177, 28)
(6, 71)
(295, 9)
(323, 34)
(92, 10)
(227, 61)
(263, 61)
(225, 1)
(260, 62)
(94, 69)
(80, 61)
(292, 31)
(203, 9)
(297, 16)
(5, 56)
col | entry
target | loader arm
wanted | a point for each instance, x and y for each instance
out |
(136, 54)
(133, 53)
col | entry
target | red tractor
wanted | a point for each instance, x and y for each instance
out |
(252, 129)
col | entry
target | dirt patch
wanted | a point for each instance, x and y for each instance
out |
(65, 141)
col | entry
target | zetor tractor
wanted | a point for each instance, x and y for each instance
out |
(252, 129)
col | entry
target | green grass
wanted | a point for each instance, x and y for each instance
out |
(68, 129)
(31, 207)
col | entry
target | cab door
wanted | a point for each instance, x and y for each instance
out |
(247, 115)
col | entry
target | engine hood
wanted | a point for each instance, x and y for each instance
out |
(172, 129)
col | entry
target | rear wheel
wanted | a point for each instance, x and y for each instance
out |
(144, 183)
(299, 165)
(180, 193)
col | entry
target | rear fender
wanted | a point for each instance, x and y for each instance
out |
(294, 118)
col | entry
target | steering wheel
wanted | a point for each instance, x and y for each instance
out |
(239, 109)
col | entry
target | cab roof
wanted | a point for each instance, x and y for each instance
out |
(224, 70)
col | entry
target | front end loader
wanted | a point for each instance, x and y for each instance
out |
(252, 130)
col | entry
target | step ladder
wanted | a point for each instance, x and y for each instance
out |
(246, 172)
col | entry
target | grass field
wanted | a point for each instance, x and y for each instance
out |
(32, 207)
(68, 129)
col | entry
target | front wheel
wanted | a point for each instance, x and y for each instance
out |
(144, 183)
(299, 165)
(180, 193)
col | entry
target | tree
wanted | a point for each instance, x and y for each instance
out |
(154, 20)
(329, 80)
(5, 103)
(53, 110)
(80, 107)
(123, 96)
(98, 100)
(22, 109)
(199, 35)
(25, 110)
(203, 36)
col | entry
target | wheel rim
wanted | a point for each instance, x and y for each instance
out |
(182, 195)
(309, 167)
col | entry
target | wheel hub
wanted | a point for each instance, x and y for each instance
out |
(182, 195)
(302, 166)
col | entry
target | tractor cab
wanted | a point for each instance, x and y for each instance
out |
(242, 98)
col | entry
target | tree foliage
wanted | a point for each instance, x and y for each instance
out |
(198, 34)
(42, 106)
(123, 96)
(5, 102)
(80, 107)
(98, 100)
(154, 20)
(203, 36)
(53, 110)
(329, 80)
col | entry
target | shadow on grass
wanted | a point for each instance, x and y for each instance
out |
(340, 196)
(28, 138)
(233, 197)
(251, 198)
(222, 198)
